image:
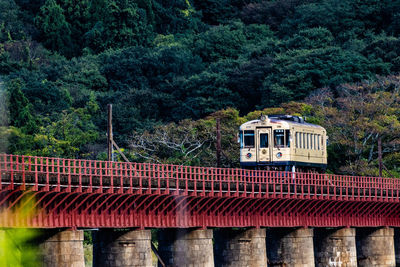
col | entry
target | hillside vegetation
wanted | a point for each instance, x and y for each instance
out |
(171, 67)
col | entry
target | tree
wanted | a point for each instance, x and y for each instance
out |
(361, 115)
(203, 94)
(56, 31)
(174, 17)
(220, 42)
(11, 27)
(296, 73)
(47, 97)
(215, 12)
(20, 108)
(68, 136)
(171, 143)
(190, 142)
(311, 38)
(386, 48)
(271, 13)
(123, 24)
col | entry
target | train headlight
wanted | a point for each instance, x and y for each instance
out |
(279, 155)
(248, 155)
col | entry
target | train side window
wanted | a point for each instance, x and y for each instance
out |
(315, 141)
(263, 140)
(304, 140)
(248, 138)
(287, 138)
(308, 141)
(297, 140)
(241, 139)
(279, 138)
(311, 142)
(318, 141)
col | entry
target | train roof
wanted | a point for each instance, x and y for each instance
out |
(285, 120)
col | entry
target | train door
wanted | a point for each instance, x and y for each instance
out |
(264, 145)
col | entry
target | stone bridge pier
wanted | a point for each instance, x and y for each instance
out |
(335, 247)
(113, 247)
(186, 247)
(225, 247)
(375, 247)
(60, 248)
(240, 247)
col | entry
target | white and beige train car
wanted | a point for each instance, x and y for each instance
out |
(282, 142)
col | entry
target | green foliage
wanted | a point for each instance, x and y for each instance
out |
(310, 39)
(297, 73)
(67, 136)
(47, 97)
(215, 12)
(55, 28)
(16, 249)
(386, 48)
(174, 17)
(220, 42)
(11, 27)
(19, 107)
(121, 24)
(190, 142)
(356, 119)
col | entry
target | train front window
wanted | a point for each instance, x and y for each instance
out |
(279, 138)
(248, 138)
(263, 140)
(241, 139)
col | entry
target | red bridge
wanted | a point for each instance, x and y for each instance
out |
(85, 193)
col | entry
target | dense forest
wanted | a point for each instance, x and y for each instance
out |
(170, 68)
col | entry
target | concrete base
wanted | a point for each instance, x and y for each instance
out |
(113, 248)
(375, 247)
(240, 248)
(62, 249)
(186, 248)
(290, 247)
(335, 247)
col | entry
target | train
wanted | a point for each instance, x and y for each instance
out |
(283, 143)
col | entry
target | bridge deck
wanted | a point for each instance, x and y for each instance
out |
(153, 186)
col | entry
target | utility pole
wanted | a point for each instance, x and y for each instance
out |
(109, 134)
(218, 143)
(110, 157)
(110, 139)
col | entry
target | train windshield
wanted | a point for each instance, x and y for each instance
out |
(281, 138)
(248, 138)
(263, 140)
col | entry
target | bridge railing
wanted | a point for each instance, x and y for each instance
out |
(92, 175)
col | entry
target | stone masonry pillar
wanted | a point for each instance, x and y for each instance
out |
(62, 249)
(290, 247)
(335, 247)
(186, 248)
(375, 247)
(115, 248)
(240, 248)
